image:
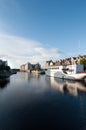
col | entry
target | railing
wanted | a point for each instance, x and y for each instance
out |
(52, 67)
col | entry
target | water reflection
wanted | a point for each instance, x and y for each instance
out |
(28, 76)
(29, 102)
(66, 86)
(4, 82)
(35, 75)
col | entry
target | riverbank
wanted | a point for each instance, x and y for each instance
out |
(6, 74)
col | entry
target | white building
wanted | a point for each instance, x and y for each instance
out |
(29, 67)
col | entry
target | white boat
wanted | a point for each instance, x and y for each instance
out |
(72, 72)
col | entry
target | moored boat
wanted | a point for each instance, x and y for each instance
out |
(72, 72)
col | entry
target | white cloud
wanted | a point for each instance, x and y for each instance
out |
(18, 50)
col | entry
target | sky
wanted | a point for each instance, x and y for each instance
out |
(39, 30)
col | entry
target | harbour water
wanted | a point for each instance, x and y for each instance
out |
(31, 101)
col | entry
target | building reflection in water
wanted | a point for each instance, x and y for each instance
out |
(4, 82)
(66, 85)
(29, 76)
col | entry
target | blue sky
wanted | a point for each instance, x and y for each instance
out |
(41, 30)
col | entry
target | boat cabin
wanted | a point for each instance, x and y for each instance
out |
(73, 69)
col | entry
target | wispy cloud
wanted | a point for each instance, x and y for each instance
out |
(19, 50)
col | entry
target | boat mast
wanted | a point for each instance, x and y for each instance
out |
(79, 48)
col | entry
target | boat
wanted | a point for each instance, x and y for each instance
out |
(42, 72)
(70, 72)
(13, 71)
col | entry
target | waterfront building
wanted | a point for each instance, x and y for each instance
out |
(22, 67)
(28, 67)
(64, 62)
(49, 63)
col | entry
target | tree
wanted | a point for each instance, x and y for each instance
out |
(8, 68)
(83, 62)
(3, 67)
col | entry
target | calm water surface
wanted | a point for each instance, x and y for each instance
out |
(36, 101)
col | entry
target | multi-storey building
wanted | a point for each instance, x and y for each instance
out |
(29, 67)
(64, 62)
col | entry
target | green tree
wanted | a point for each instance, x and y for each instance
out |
(2, 67)
(7, 68)
(38, 67)
(83, 62)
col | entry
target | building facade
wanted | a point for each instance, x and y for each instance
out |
(28, 67)
(64, 62)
